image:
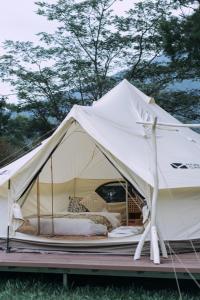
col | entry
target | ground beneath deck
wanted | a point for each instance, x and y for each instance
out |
(186, 265)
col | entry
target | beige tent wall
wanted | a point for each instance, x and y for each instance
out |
(3, 210)
(77, 157)
(3, 216)
(178, 213)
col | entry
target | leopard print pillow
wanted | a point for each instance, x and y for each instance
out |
(75, 205)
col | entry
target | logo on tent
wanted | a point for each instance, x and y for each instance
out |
(179, 166)
(185, 166)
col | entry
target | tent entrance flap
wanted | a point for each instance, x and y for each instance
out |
(78, 158)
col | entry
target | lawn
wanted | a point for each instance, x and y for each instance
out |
(21, 287)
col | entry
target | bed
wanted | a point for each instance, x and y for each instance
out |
(82, 223)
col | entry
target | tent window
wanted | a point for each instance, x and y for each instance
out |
(113, 192)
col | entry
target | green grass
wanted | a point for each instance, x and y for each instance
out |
(26, 288)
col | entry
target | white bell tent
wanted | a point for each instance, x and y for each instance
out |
(109, 141)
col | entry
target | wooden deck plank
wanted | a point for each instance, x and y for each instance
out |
(181, 263)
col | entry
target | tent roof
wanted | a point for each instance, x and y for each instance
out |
(111, 122)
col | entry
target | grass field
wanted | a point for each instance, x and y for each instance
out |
(21, 287)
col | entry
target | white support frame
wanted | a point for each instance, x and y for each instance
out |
(152, 227)
(127, 214)
(170, 124)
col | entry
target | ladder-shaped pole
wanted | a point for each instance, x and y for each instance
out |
(152, 227)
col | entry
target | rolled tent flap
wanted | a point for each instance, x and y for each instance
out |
(16, 211)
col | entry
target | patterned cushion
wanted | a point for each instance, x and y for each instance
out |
(76, 206)
(94, 203)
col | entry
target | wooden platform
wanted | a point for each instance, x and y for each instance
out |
(186, 266)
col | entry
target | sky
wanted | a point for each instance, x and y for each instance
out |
(19, 22)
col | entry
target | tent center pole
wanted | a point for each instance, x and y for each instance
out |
(52, 199)
(154, 235)
(8, 227)
(38, 205)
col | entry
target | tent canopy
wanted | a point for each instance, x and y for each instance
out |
(105, 141)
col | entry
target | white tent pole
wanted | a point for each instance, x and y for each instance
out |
(155, 233)
(170, 124)
(38, 205)
(52, 194)
(152, 226)
(127, 217)
(162, 243)
(151, 248)
(140, 245)
(154, 236)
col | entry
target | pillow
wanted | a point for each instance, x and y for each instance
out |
(94, 203)
(76, 206)
(27, 228)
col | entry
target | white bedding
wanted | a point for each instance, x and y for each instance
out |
(64, 226)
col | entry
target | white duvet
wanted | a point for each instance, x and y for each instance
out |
(64, 226)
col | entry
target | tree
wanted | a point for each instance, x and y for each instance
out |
(37, 85)
(77, 63)
(181, 40)
(95, 43)
(11, 133)
(91, 50)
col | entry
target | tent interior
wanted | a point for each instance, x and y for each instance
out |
(80, 193)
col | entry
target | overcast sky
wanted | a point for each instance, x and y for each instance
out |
(18, 21)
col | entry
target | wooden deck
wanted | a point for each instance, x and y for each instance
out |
(186, 266)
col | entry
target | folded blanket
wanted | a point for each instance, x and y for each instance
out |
(97, 219)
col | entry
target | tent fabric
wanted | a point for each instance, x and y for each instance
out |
(104, 142)
(112, 123)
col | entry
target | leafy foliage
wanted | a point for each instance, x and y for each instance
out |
(181, 40)
(91, 50)
(12, 130)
